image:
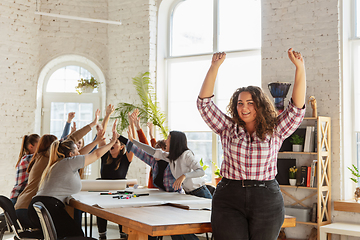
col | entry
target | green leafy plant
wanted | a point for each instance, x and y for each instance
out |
(354, 171)
(148, 110)
(292, 172)
(297, 140)
(217, 170)
(204, 166)
(92, 83)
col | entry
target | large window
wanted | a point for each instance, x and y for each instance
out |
(198, 29)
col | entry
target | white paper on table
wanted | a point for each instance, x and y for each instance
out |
(103, 185)
(155, 197)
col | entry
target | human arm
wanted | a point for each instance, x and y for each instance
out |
(194, 167)
(98, 138)
(151, 133)
(96, 154)
(66, 130)
(131, 124)
(109, 110)
(208, 85)
(135, 119)
(77, 135)
(299, 89)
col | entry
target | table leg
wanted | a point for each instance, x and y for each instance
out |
(91, 224)
(134, 235)
(85, 224)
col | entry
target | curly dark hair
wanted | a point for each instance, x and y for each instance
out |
(266, 115)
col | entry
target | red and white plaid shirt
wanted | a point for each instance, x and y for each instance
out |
(243, 158)
(21, 176)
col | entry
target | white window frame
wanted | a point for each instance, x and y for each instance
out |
(42, 112)
(166, 11)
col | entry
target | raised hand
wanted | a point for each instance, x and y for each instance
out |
(135, 119)
(71, 116)
(96, 119)
(100, 133)
(296, 58)
(130, 136)
(218, 58)
(114, 132)
(73, 128)
(151, 129)
(110, 109)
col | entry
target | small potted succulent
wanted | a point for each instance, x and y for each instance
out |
(292, 175)
(87, 85)
(297, 143)
(355, 172)
(218, 177)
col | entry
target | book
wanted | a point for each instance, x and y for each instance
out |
(312, 139)
(307, 139)
(313, 213)
(308, 174)
(313, 174)
(303, 176)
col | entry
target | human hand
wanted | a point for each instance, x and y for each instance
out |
(135, 119)
(73, 128)
(114, 132)
(130, 136)
(296, 58)
(110, 109)
(178, 182)
(151, 129)
(218, 58)
(100, 133)
(96, 119)
(71, 116)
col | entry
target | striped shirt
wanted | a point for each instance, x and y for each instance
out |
(243, 158)
(21, 176)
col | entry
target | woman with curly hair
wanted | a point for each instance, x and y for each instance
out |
(248, 203)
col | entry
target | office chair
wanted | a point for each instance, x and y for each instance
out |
(13, 223)
(47, 224)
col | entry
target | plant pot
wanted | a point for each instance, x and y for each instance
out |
(297, 148)
(217, 180)
(292, 181)
(87, 89)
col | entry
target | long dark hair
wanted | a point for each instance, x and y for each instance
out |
(266, 115)
(118, 158)
(26, 141)
(178, 145)
(43, 146)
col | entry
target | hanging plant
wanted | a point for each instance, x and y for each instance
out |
(148, 110)
(86, 85)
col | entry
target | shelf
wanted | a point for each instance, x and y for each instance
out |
(309, 153)
(307, 223)
(301, 187)
(347, 206)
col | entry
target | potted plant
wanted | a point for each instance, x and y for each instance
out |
(297, 142)
(218, 177)
(87, 85)
(149, 109)
(355, 171)
(292, 175)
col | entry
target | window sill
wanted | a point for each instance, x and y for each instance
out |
(347, 206)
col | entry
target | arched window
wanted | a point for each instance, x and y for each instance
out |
(195, 29)
(57, 83)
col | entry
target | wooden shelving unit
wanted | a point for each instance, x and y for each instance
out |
(323, 173)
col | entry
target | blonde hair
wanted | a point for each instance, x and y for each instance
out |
(26, 141)
(58, 151)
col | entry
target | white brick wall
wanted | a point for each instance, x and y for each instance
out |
(29, 41)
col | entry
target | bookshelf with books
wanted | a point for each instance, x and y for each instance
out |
(314, 184)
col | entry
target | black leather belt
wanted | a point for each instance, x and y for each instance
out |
(255, 183)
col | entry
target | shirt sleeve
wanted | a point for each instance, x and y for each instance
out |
(76, 162)
(289, 120)
(213, 116)
(197, 170)
(141, 154)
(77, 135)
(156, 153)
(142, 137)
(66, 130)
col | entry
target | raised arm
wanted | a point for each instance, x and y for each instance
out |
(136, 120)
(97, 140)
(96, 154)
(152, 135)
(109, 110)
(299, 90)
(66, 130)
(77, 135)
(207, 88)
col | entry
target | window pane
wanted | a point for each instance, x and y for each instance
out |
(192, 27)
(200, 144)
(59, 113)
(240, 24)
(66, 79)
(235, 73)
(357, 14)
(183, 113)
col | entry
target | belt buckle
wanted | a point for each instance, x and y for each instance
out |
(262, 184)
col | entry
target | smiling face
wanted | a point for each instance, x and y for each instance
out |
(246, 108)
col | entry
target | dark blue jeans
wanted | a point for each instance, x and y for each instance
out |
(247, 213)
